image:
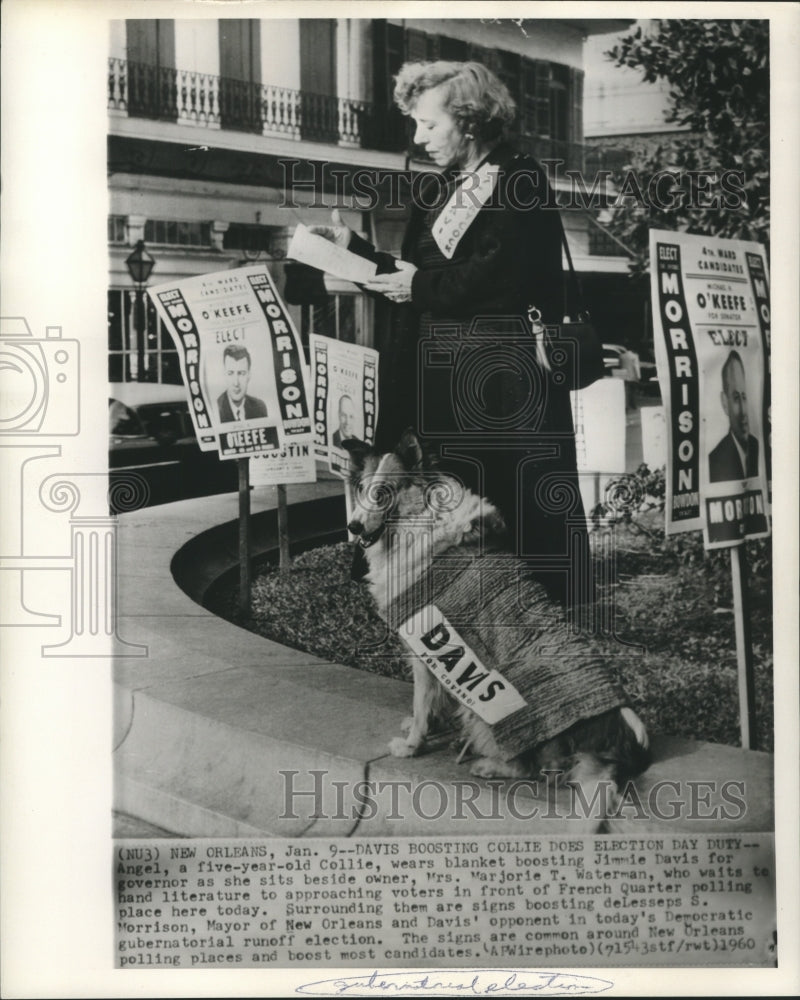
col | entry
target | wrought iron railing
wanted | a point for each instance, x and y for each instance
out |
(184, 96)
(143, 90)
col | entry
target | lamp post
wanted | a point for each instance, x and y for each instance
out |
(140, 263)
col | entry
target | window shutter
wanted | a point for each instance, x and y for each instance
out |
(150, 48)
(240, 74)
(527, 97)
(509, 70)
(385, 127)
(453, 49)
(542, 91)
(433, 47)
(479, 53)
(380, 68)
(318, 55)
(576, 97)
(416, 45)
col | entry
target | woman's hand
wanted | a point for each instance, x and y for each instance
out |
(338, 233)
(395, 286)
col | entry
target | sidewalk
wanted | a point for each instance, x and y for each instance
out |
(207, 721)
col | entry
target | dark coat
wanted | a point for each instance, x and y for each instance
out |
(458, 362)
(724, 461)
(254, 408)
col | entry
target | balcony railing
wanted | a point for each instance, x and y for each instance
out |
(175, 95)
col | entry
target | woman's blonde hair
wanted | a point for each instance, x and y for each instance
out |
(473, 95)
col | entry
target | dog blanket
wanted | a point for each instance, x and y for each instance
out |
(509, 622)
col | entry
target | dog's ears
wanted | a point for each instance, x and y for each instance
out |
(358, 450)
(409, 450)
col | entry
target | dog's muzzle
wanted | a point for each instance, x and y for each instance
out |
(365, 539)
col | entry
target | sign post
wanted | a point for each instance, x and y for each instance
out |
(283, 527)
(244, 536)
(744, 648)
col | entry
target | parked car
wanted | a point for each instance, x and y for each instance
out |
(151, 434)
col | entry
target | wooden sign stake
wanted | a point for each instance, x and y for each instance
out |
(283, 528)
(744, 648)
(244, 535)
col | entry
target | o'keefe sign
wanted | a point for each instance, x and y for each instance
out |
(241, 360)
(711, 321)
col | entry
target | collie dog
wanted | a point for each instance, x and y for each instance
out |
(489, 650)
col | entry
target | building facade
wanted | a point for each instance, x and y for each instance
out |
(224, 133)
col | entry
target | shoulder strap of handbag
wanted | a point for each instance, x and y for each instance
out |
(576, 298)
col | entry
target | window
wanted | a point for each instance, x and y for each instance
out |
(173, 232)
(255, 238)
(601, 244)
(117, 225)
(159, 356)
(343, 317)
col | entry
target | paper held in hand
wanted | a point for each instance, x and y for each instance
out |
(308, 248)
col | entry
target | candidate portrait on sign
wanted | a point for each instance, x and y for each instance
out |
(234, 404)
(347, 421)
(736, 455)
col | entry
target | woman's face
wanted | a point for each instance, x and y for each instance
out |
(437, 130)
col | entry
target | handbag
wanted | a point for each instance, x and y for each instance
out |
(575, 358)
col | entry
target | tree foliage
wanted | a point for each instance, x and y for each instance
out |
(718, 75)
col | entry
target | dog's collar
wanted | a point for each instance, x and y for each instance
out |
(366, 541)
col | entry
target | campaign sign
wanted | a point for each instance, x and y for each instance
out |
(434, 640)
(345, 382)
(711, 323)
(295, 463)
(598, 414)
(241, 360)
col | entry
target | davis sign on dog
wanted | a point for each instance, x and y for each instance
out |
(458, 668)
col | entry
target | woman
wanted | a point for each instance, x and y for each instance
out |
(458, 360)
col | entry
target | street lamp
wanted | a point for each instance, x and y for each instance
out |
(140, 264)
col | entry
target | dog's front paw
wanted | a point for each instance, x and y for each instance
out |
(485, 767)
(399, 747)
(406, 724)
